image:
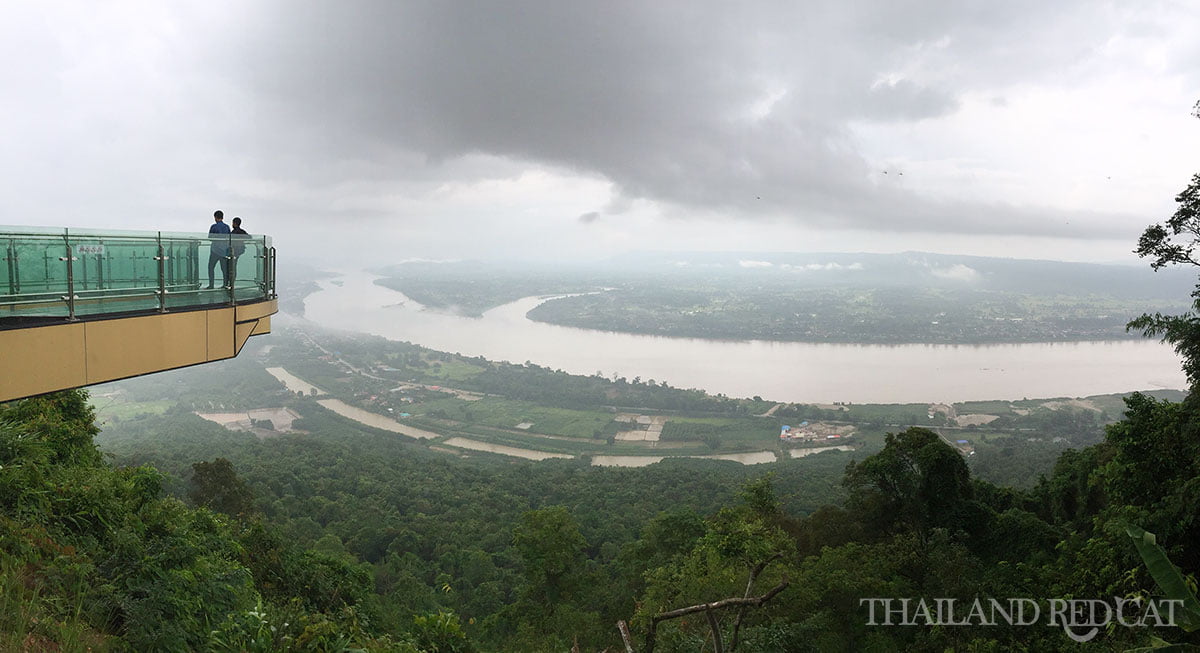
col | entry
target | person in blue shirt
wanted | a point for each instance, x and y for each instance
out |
(218, 251)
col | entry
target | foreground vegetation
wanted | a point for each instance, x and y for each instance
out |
(356, 539)
(338, 536)
(359, 538)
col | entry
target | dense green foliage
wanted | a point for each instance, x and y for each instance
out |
(96, 558)
(528, 557)
(356, 538)
(458, 536)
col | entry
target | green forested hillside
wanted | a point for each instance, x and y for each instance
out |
(94, 557)
(355, 539)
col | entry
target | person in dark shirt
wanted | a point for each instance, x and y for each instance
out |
(237, 234)
(218, 251)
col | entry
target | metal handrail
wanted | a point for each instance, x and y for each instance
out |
(116, 265)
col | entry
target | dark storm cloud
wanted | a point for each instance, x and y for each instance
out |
(740, 109)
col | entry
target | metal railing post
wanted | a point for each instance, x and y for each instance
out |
(272, 295)
(162, 276)
(100, 254)
(264, 270)
(14, 283)
(229, 276)
(69, 258)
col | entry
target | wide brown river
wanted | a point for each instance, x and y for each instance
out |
(778, 371)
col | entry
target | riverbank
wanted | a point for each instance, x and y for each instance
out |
(783, 372)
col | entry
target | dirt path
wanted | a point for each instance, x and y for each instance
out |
(293, 382)
(746, 458)
(371, 419)
(771, 411)
(528, 454)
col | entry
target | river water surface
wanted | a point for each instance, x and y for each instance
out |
(777, 371)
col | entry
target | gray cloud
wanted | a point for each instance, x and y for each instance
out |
(311, 108)
(743, 111)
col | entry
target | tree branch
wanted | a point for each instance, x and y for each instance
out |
(737, 622)
(652, 631)
(626, 638)
(725, 603)
(718, 647)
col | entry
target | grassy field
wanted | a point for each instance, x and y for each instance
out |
(891, 414)
(115, 409)
(451, 371)
(508, 413)
(733, 433)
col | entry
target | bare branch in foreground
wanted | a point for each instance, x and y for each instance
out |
(702, 607)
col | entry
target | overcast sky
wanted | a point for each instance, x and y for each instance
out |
(435, 130)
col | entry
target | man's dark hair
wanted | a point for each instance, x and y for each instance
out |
(219, 215)
(237, 222)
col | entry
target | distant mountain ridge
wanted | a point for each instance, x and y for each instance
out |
(924, 269)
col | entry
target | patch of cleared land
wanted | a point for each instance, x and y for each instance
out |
(650, 427)
(280, 418)
(1073, 403)
(945, 409)
(975, 419)
(808, 451)
(530, 454)
(293, 383)
(465, 395)
(771, 410)
(820, 431)
(371, 419)
(231, 421)
(625, 461)
(749, 458)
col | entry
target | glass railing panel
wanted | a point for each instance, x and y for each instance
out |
(114, 263)
(120, 272)
(35, 275)
(181, 268)
(199, 262)
(113, 274)
(40, 265)
(248, 267)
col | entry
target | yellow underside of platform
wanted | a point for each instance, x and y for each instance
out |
(47, 358)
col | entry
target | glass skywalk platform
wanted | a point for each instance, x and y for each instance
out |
(79, 307)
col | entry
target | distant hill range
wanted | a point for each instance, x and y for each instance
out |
(922, 269)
